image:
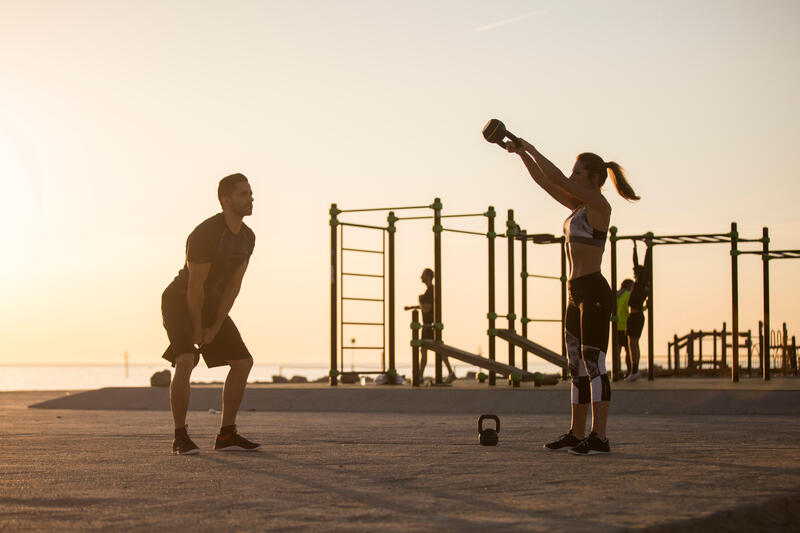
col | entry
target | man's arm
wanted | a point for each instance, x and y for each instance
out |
(195, 295)
(226, 300)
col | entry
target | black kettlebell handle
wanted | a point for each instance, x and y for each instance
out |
(495, 132)
(489, 417)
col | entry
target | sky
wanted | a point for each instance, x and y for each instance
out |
(119, 118)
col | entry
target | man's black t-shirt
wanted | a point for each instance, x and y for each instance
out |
(212, 242)
(427, 298)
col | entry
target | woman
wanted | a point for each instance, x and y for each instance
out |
(590, 297)
(636, 307)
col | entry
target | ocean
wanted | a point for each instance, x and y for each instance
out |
(83, 377)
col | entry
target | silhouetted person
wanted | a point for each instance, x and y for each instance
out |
(636, 306)
(426, 303)
(590, 297)
(623, 294)
(195, 309)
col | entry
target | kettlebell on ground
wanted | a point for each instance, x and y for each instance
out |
(488, 436)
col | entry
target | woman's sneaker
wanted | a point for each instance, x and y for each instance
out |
(591, 445)
(183, 445)
(233, 442)
(564, 442)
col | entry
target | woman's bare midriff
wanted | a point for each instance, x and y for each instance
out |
(585, 259)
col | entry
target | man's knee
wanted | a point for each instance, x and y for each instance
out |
(185, 363)
(242, 365)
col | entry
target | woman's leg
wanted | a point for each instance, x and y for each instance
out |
(633, 346)
(581, 389)
(595, 314)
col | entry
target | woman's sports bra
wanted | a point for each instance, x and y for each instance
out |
(577, 229)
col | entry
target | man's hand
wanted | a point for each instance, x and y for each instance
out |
(209, 334)
(197, 337)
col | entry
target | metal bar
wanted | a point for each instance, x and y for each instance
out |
(784, 254)
(542, 320)
(564, 372)
(734, 302)
(362, 323)
(437, 289)
(616, 349)
(415, 348)
(360, 250)
(391, 232)
(385, 209)
(365, 348)
(383, 307)
(426, 217)
(542, 276)
(655, 238)
(464, 232)
(362, 299)
(341, 302)
(362, 275)
(524, 289)
(651, 371)
(492, 344)
(332, 380)
(511, 231)
(367, 226)
(465, 215)
(765, 280)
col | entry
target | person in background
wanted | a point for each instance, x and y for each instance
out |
(426, 305)
(622, 322)
(636, 306)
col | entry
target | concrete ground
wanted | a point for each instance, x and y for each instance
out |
(105, 469)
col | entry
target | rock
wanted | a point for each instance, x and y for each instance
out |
(279, 379)
(298, 379)
(161, 379)
(472, 375)
(323, 379)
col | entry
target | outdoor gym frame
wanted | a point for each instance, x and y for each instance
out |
(513, 233)
(733, 238)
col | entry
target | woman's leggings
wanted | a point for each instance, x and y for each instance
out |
(586, 333)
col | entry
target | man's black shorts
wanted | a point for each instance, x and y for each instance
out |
(226, 346)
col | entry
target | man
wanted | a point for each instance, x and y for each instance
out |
(426, 305)
(623, 295)
(195, 309)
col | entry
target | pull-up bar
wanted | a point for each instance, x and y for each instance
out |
(652, 240)
(767, 255)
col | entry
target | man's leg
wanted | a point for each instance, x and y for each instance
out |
(179, 388)
(232, 393)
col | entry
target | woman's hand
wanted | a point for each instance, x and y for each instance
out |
(519, 148)
(515, 148)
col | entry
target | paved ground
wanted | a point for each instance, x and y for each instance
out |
(92, 470)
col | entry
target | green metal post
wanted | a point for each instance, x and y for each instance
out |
(332, 375)
(391, 231)
(734, 303)
(524, 282)
(616, 349)
(765, 260)
(510, 233)
(437, 290)
(490, 215)
(651, 371)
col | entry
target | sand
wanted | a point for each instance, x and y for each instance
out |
(344, 471)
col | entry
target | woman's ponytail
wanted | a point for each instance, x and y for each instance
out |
(620, 181)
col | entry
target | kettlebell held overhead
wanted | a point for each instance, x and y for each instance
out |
(495, 132)
(488, 436)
